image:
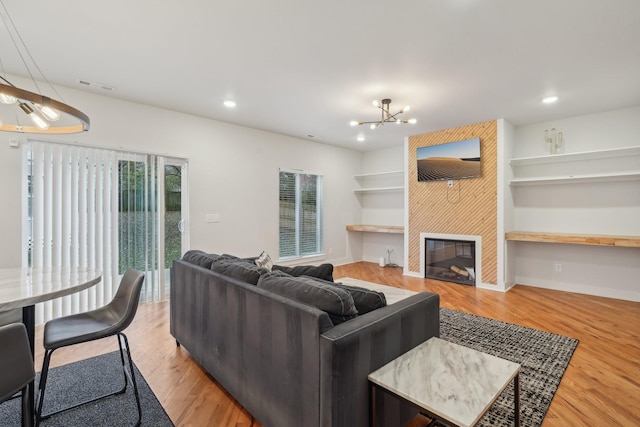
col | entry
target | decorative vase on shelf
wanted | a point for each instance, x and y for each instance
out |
(553, 139)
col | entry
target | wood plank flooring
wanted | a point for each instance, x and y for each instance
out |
(601, 386)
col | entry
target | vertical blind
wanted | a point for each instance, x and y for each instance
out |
(94, 208)
(301, 219)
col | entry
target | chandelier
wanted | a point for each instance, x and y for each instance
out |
(31, 112)
(385, 115)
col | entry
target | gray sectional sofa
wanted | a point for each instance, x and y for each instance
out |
(286, 361)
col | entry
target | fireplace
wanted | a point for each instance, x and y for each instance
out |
(451, 258)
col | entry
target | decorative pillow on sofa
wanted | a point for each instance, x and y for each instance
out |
(337, 302)
(323, 271)
(238, 269)
(264, 261)
(199, 258)
(366, 300)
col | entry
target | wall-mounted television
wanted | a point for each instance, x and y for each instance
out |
(452, 160)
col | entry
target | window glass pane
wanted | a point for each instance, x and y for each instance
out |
(300, 214)
(173, 214)
(287, 215)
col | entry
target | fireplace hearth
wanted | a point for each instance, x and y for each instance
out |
(450, 260)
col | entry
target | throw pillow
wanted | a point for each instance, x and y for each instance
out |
(323, 271)
(336, 302)
(365, 300)
(264, 261)
(241, 270)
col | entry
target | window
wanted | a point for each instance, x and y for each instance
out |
(300, 214)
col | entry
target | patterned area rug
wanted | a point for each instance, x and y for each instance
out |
(543, 356)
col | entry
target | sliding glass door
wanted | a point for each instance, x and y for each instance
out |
(104, 209)
(175, 214)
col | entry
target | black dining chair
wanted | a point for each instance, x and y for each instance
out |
(16, 367)
(103, 322)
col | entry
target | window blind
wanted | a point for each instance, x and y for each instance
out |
(301, 214)
(90, 207)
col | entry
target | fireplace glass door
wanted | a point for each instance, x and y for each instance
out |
(450, 261)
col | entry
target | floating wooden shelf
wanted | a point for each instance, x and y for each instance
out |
(575, 239)
(377, 189)
(393, 229)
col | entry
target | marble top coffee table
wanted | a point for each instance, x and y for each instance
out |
(447, 382)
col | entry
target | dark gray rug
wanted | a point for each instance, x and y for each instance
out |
(76, 382)
(543, 356)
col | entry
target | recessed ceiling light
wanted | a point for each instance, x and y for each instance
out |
(360, 138)
(550, 99)
(229, 104)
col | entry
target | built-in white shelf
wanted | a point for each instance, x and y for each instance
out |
(602, 177)
(573, 157)
(379, 182)
(616, 164)
(378, 174)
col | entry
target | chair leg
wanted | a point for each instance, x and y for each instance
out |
(133, 376)
(124, 367)
(128, 374)
(41, 386)
(27, 413)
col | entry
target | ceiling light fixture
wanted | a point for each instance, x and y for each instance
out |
(550, 99)
(47, 115)
(386, 116)
(229, 104)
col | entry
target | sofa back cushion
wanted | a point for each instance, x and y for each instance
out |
(365, 300)
(239, 269)
(200, 258)
(322, 271)
(336, 302)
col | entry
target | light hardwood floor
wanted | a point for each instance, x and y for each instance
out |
(601, 386)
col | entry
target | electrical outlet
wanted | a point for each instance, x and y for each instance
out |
(558, 268)
(330, 251)
(450, 183)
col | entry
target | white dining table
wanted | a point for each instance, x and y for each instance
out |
(25, 287)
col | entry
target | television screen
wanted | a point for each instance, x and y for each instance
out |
(452, 160)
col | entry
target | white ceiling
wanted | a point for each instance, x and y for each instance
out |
(308, 67)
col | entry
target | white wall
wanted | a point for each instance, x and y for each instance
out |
(384, 208)
(506, 262)
(233, 171)
(583, 208)
(610, 129)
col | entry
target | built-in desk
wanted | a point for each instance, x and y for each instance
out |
(393, 229)
(575, 239)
